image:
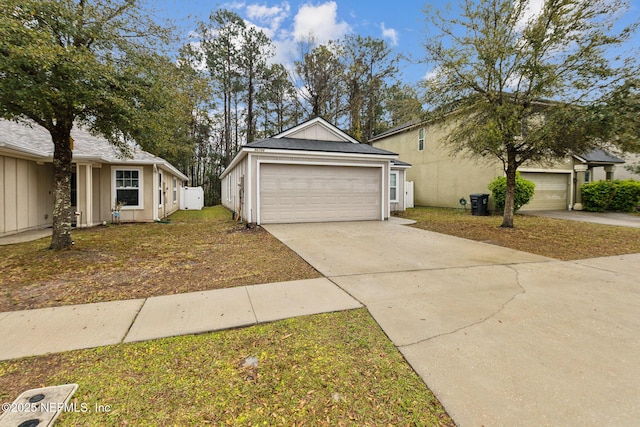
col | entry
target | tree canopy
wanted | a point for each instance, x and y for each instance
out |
(525, 85)
(88, 62)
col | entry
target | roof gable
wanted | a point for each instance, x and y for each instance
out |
(317, 129)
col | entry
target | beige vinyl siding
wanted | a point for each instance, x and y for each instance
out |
(319, 133)
(25, 202)
(399, 205)
(230, 193)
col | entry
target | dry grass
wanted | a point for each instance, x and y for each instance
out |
(198, 250)
(564, 240)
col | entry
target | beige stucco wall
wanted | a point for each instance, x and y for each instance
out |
(440, 178)
(26, 200)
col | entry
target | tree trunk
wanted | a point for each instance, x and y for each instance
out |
(507, 219)
(62, 157)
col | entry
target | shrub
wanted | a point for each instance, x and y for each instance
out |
(616, 195)
(524, 192)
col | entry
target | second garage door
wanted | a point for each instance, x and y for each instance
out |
(309, 193)
(551, 193)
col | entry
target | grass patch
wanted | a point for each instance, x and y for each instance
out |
(331, 369)
(564, 240)
(198, 250)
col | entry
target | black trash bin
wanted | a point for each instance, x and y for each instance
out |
(479, 204)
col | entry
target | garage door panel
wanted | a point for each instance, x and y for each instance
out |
(551, 192)
(309, 193)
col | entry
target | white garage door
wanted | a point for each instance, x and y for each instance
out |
(305, 193)
(552, 191)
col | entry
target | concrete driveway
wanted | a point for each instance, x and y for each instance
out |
(502, 337)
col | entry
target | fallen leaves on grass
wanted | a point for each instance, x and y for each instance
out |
(554, 238)
(198, 250)
(331, 369)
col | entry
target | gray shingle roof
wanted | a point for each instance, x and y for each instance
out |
(599, 156)
(320, 146)
(36, 141)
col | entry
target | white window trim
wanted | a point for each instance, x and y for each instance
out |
(229, 188)
(397, 187)
(175, 190)
(421, 139)
(140, 204)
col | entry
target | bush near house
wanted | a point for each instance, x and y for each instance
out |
(600, 196)
(524, 192)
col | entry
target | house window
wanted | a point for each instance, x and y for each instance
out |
(160, 189)
(421, 139)
(128, 187)
(393, 187)
(175, 190)
(74, 189)
(228, 188)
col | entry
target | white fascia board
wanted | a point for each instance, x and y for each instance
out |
(542, 170)
(313, 154)
(243, 152)
(24, 151)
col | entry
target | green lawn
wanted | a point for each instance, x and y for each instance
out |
(331, 369)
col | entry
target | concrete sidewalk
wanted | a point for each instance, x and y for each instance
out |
(607, 218)
(56, 329)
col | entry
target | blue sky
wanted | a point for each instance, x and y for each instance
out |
(400, 23)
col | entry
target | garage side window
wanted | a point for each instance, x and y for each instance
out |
(393, 187)
(228, 188)
(128, 187)
(421, 139)
(175, 190)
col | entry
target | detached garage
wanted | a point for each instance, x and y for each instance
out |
(311, 173)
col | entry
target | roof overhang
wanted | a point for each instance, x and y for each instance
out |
(245, 151)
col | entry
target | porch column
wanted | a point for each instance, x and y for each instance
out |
(609, 170)
(581, 171)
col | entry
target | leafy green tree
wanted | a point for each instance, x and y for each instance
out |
(80, 61)
(523, 86)
(369, 64)
(402, 105)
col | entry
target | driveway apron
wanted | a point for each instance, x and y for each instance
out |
(501, 337)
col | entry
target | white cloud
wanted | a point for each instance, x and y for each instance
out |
(390, 33)
(321, 21)
(272, 17)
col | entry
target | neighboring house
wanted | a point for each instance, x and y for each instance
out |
(149, 186)
(442, 179)
(313, 173)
